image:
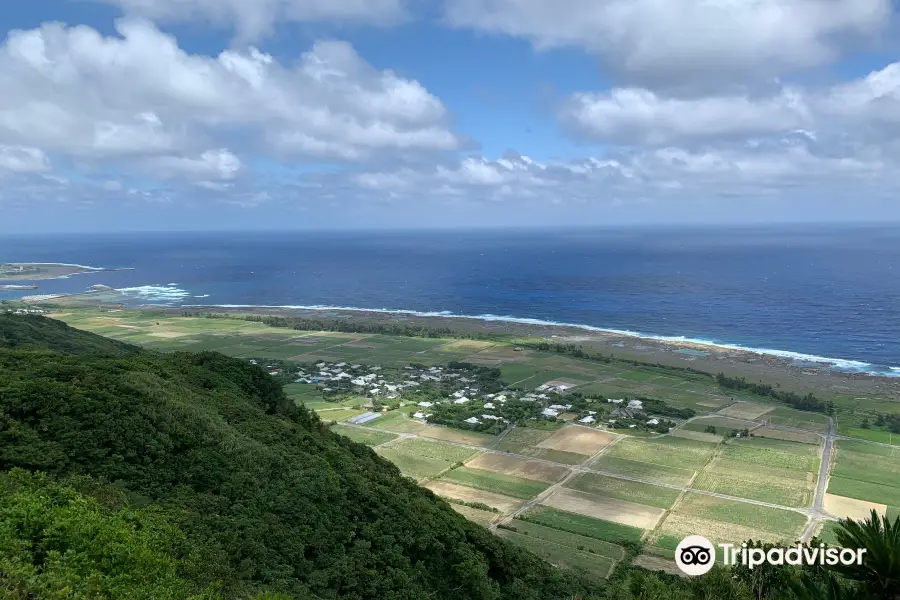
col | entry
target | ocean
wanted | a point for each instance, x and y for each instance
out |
(810, 292)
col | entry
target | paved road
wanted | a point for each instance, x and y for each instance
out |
(817, 514)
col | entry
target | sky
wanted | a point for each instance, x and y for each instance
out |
(129, 115)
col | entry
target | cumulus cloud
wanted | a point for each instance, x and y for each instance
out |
(73, 91)
(639, 116)
(673, 42)
(252, 19)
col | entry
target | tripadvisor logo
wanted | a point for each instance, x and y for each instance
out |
(696, 555)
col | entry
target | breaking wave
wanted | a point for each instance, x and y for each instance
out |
(156, 294)
(846, 365)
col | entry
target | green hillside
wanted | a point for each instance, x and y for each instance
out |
(192, 476)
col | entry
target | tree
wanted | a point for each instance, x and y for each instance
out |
(879, 573)
(710, 429)
(865, 423)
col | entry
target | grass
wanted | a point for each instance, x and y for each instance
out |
(782, 522)
(797, 418)
(621, 489)
(642, 470)
(341, 414)
(581, 525)
(572, 540)
(591, 565)
(828, 532)
(723, 425)
(865, 467)
(396, 421)
(500, 483)
(864, 490)
(420, 459)
(777, 486)
(364, 436)
(773, 453)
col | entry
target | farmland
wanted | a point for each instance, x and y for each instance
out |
(608, 487)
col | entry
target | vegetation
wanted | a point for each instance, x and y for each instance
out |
(257, 494)
(809, 402)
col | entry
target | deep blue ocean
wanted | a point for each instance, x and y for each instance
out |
(814, 290)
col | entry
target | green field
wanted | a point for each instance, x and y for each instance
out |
(781, 522)
(787, 487)
(581, 525)
(564, 556)
(420, 459)
(642, 470)
(639, 493)
(665, 451)
(773, 453)
(564, 538)
(364, 436)
(724, 425)
(340, 414)
(797, 418)
(499, 483)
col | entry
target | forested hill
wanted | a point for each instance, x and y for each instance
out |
(126, 473)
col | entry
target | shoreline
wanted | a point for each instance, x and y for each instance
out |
(842, 365)
(57, 271)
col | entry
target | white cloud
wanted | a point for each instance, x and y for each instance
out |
(254, 18)
(673, 42)
(73, 91)
(20, 159)
(220, 165)
(637, 116)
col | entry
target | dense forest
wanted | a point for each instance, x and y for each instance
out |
(131, 474)
(196, 474)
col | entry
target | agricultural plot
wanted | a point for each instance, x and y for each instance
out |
(790, 417)
(828, 532)
(615, 533)
(698, 436)
(526, 441)
(518, 467)
(578, 440)
(725, 521)
(446, 489)
(482, 517)
(397, 422)
(642, 470)
(563, 556)
(745, 410)
(866, 473)
(665, 451)
(515, 372)
(605, 508)
(339, 414)
(564, 538)
(773, 471)
(801, 437)
(472, 438)
(724, 425)
(364, 436)
(507, 485)
(622, 489)
(420, 459)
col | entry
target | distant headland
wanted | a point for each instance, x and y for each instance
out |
(37, 271)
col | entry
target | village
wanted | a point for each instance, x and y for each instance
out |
(467, 396)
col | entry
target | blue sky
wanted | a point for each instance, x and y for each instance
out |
(209, 114)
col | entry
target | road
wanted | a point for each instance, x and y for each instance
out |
(817, 514)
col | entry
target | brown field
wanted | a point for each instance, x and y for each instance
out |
(577, 439)
(839, 506)
(710, 404)
(466, 494)
(681, 525)
(167, 334)
(745, 410)
(455, 435)
(696, 435)
(790, 436)
(482, 517)
(518, 467)
(608, 509)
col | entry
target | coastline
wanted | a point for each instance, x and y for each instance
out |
(56, 271)
(683, 342)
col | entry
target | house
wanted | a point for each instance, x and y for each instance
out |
(619, 401)
(517, 349)
(419, 415)
(488, 405)
(425, 404)
(341, 364)
(623, 413)
(491, 417)
(462, 400)
(560, 406)
(653, 422)
(472, 420)
(586, 420)
(358, 381)
(549, 412)
(252, 362)
(635, 404)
